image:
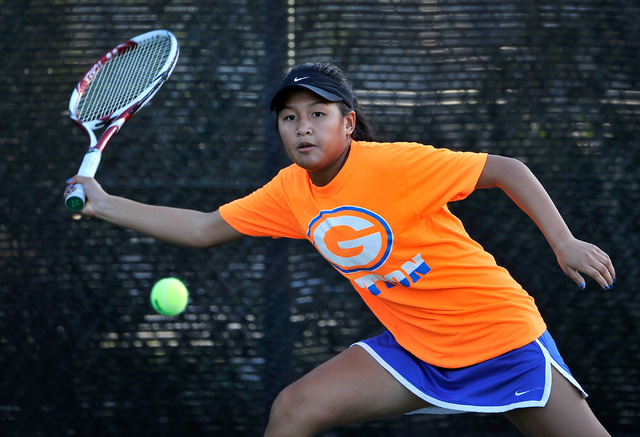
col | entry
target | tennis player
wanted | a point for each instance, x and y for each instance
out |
(462, 335)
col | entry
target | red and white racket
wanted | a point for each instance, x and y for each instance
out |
(114, 89)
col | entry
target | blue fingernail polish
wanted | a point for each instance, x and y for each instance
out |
(581, 286)
(614, 280)
(68, 180)
(606, 287)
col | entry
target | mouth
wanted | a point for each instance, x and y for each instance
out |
(303, 147)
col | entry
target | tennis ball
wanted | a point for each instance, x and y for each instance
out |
(169, 296)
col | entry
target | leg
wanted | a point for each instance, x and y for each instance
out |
(566, 414)
(351, 387)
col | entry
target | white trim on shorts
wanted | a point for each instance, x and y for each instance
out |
(440, 406)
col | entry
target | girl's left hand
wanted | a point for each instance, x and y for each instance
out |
(575, 256)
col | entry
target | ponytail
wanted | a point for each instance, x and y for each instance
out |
(363, 131)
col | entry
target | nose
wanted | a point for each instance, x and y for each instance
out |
(303, 127)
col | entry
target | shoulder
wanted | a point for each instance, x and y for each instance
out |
(291, 173)
(289, 181)
(393, 148)
(397, 147)
(411, 151)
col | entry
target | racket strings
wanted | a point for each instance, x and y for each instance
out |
(123, 78)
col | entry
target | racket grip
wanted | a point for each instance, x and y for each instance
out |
(76, 200)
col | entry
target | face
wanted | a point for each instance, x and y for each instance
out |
(315, 134)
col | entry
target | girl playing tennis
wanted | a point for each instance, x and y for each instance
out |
(462, 335)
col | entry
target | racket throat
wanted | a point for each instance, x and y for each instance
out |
(108, 133)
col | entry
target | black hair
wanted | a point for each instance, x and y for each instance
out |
(364, 130)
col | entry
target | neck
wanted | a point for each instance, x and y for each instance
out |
(320, 180)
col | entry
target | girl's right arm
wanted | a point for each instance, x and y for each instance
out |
(173, 225)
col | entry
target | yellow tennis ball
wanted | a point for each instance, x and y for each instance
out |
(169, 296)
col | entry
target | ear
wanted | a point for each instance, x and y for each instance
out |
(350, 122)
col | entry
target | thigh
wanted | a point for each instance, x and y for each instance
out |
(566, 414)
(353, 387)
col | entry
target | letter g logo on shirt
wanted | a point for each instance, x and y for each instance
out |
(351, 238)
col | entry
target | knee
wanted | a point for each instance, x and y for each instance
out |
(295, 413)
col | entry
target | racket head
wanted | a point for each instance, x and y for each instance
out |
(114, 89)
(123, 81)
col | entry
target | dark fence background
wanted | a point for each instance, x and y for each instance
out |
(554, 83)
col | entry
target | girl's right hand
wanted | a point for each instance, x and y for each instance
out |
(92, 190)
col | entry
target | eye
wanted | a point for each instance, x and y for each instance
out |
(289, 117)
(318, 114)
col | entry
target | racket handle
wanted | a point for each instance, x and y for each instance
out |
(76, 200)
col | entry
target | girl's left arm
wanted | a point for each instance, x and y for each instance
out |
(521, 185)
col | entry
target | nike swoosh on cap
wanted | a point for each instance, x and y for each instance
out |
(298, 79)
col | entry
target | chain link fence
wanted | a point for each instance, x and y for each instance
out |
(554, 83)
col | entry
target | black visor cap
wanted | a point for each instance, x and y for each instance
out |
(318, 83)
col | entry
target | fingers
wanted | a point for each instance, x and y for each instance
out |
(596, 264)
(77, 179)
(576, 277)
(609, 266)
(601, 276)
(89, 191)
(71, 183)
(71, 186)
(576, 257)
(602, 269)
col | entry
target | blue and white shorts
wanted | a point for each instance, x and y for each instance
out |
(517, 379)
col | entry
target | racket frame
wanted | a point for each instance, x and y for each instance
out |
(76, 199)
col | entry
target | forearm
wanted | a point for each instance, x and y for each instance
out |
(167, 224)
(173, 225)
(574, 256)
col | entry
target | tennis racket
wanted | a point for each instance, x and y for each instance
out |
(114, 89)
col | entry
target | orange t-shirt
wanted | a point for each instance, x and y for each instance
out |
(383, 222)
